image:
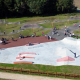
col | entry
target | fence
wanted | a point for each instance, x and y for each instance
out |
(39, 72)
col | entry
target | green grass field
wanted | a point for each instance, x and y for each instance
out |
(38, 18)
(77, 32)
(63, 69)
(59, 25)
(26, 32)
(9, 27)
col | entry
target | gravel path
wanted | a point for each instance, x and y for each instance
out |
(26, 77)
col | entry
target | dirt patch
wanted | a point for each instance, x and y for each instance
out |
(26, 77)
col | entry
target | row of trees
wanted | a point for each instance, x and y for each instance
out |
(11, 8)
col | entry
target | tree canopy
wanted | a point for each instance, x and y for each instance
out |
(12, 8)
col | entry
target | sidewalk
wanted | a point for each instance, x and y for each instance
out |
(13, 76)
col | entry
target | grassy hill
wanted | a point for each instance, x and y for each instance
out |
(77, 3)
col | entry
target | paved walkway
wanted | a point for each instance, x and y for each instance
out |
(13, 76)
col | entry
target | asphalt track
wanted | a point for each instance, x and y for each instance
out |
(61, 32)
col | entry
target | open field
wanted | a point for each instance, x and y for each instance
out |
(9, 27)
(59, 25)
(26, 32)
(77, 32)
(43, 18)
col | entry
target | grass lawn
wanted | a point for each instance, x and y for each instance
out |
(77, 32)
(49, 68)
(63, 69)
(9, 27)
(59, 25)
(78, 37)
(38, 18)
(26, 32)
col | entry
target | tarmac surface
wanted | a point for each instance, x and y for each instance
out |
(61, 32)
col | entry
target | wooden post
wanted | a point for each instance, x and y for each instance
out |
(74, 75)
(5, 69)
(65, 75)
(21, 70)
(79, 76)
(13, 69)
(47, 73)
(6, 25)
(38, 72)
(29, 71)
(68, 21)
(56, 74)
(52, 24)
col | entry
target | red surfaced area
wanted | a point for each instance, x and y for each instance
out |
(22, 62)
(24, 41)
(24, 57)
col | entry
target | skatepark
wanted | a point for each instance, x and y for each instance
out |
(56, 52)
(47, 53)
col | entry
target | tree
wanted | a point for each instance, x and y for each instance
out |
(36, 6)
(64, 5)
(50, 6)
(11, 8)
